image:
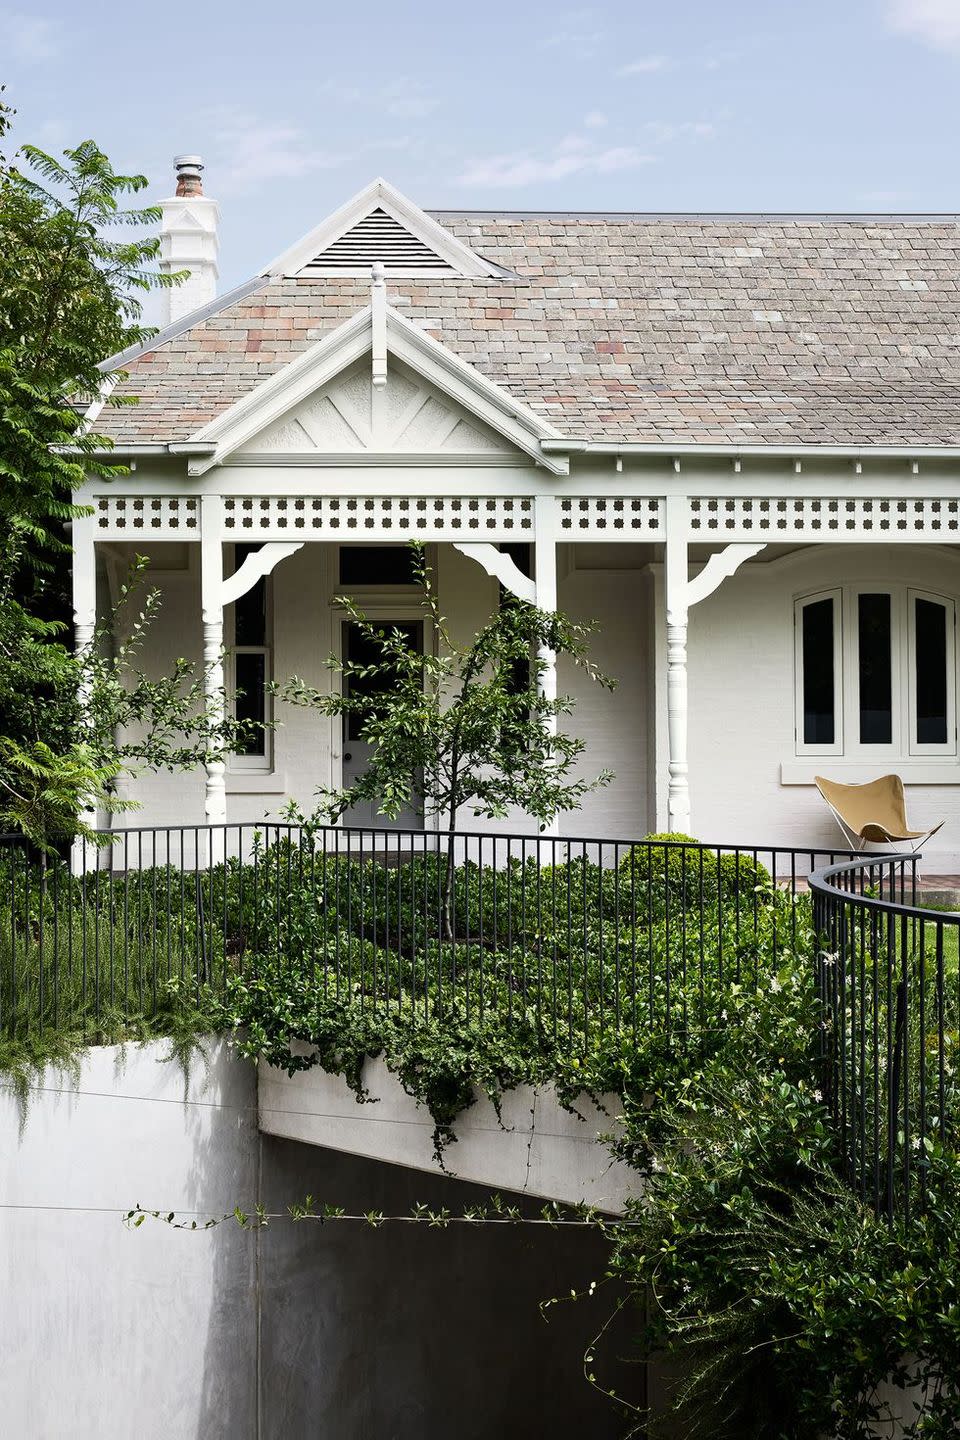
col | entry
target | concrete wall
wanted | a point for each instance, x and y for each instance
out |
(535, 1147)
(410, 1333)
(741, 695)
(296, 1331)
(109, 1332)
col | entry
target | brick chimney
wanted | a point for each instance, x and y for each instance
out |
(189, 240)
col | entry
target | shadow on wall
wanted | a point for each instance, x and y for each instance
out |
(410, 1333)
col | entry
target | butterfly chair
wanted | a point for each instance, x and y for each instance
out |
(874, 812)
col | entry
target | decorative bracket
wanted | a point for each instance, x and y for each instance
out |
(503, 567)
(258, 563)
(719, 568)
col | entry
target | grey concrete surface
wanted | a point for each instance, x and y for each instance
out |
(409, 1333)
(290, 1333)
(113, 1334)
(535, 1147)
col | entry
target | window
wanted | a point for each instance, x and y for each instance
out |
(377, 565)
(251, 664)
(875, 673)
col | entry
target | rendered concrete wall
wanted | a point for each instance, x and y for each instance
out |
(410, 1333)
(152, 1333)
(110, 1333)
(537, 1148)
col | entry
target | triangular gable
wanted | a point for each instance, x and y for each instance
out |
(433, 403)
(352, 416)
(381, 226)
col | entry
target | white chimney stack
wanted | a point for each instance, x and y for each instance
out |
(189, 241)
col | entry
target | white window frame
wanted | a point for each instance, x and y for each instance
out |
(950, 745)
(904, 743)
(799, 605)
(260, 764)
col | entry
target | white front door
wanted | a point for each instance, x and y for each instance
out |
(356, 752)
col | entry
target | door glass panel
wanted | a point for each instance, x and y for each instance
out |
(357, 752)
(930, 650)
(873, 659)
(819, 682)
(362, 650)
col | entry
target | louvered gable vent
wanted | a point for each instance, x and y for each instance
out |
(378, 236)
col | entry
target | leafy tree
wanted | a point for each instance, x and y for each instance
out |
(73, 270)
(466, 727)
(127, 720)
(72, 274)
(75, 264)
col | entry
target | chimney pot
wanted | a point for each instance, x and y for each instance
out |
(189, 170)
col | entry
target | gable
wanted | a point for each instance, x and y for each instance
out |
(323, 400)
(378, 238)
(380, 226)
(350, 415)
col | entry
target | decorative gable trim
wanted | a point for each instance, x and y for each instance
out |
(274, 398)
(381, 225)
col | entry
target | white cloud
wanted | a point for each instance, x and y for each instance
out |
(28, 38)
(937, 22)
(252, 152)
(574, 155)
(579, 154)
(646, 65)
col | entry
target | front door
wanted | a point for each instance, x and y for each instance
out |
(356, 751)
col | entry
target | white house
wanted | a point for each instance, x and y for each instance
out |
(732, 440)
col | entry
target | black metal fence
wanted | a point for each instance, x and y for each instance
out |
(888, 975)
(582, 936)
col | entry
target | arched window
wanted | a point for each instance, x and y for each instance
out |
(875, 672)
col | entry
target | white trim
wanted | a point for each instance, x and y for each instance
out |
(800, 603)
(903, 746)
(256, 782)
(720, 567)
(913, 771)
(316, 366)
(380, 195)
(949, 746)
(735, 452)
(502, 567)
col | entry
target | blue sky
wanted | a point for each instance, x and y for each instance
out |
(699, 104)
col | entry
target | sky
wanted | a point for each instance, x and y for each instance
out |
(619, 105)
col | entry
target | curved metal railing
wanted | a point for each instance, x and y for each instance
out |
(888, 977)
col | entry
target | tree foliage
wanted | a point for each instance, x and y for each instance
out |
(73, 270)
(462, 726)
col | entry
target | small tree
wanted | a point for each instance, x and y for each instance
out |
(465, 727)
(104, 717)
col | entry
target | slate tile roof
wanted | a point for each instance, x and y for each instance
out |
(730, 329)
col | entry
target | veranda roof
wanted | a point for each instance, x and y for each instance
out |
(635, 328)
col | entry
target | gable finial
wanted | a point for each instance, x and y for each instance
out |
(378, 316)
